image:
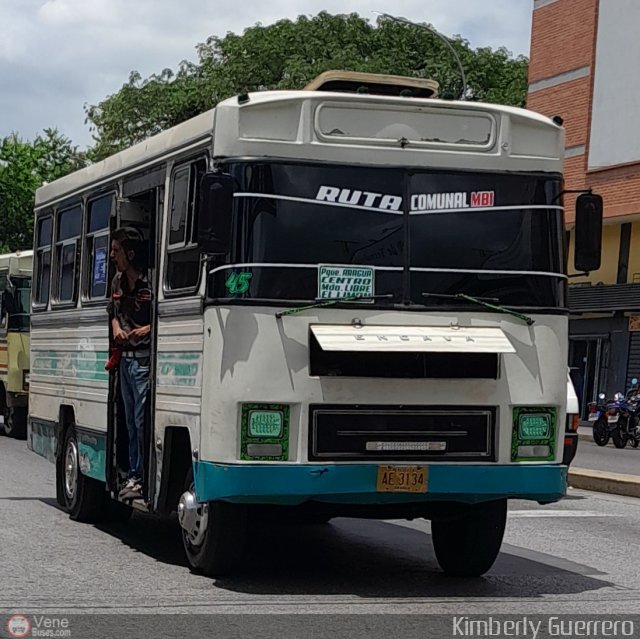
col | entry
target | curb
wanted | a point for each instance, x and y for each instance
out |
(604, 482)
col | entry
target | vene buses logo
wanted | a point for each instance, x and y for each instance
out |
(18, 626)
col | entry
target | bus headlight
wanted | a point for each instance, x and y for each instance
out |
(264, 432)
(534, 433)
(26, 378)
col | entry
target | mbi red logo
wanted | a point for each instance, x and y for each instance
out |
(482, 198)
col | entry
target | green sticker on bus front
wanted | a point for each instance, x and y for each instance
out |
(265, 423)
(345, 281)
(534, 426)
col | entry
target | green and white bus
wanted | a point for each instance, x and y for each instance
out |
(15, 301)
(359, 310)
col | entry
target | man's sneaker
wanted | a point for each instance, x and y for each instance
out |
(134, 492)
(128, 486)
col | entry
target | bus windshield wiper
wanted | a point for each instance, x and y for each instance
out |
(330, 302)
(487, 302)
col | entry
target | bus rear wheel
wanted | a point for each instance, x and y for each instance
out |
(213, 533)
(468, 546)
(83, 497)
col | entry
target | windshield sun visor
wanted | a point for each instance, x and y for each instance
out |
(422, 339)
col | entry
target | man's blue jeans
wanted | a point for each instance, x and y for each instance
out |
(134, 384)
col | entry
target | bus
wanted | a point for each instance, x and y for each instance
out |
(15, 301)
(359, 310)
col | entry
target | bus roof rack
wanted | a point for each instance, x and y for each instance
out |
(373, 83)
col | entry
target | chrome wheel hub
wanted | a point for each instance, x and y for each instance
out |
(71, 469)
(193, 518)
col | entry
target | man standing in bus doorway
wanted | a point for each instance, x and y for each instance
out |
(130, 315)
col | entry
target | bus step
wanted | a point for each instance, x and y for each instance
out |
(138, 504)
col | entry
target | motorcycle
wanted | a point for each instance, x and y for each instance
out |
(598, 418)
(633, 423)
(623, 414)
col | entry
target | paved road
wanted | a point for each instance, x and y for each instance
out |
(609, 458)
(581, 555)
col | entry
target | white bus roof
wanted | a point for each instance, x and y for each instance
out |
(393, 131)
(178, 139)
(344, 128)
(18, 263)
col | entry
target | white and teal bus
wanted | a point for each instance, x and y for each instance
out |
(359, 310)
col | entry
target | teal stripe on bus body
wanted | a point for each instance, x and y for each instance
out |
(81, 365)
(174, 369)
(351, 483)
(92, 447)
(179, 368)
(92, 450)
(44, 439)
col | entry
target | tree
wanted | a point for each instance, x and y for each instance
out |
(287, 55)
(25, 166)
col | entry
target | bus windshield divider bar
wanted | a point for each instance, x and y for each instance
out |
(418, 269)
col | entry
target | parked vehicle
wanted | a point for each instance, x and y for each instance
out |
(633, 423)
(571, 426)
(622, 417)
(598, 419)
(15, 295)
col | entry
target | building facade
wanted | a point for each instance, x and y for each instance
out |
(584, 64)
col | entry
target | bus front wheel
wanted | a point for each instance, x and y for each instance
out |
(213, 533)
(467, 546)
(83, 497)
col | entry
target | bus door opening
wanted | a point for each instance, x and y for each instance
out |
(137, 211)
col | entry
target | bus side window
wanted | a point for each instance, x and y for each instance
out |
(67, 253)
(183, 255)
(43, 260)
(97, 247)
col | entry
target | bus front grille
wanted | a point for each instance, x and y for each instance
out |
(407, 433)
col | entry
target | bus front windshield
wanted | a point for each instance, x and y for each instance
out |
(421, 231)
(21, 303)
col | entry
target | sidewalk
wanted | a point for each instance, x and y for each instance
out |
(585, 431)
(603, 482)
(598, 480)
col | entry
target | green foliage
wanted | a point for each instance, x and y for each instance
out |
(24, 166)
(289, 54)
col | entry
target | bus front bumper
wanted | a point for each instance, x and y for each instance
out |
(292, 484)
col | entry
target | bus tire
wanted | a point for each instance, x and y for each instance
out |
(214, 544)
(15, 422)
(469, 545)
(83, 496)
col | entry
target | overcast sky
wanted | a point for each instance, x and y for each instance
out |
(58, 55)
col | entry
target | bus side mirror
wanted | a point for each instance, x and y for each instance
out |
(215, 207)
(588, 248)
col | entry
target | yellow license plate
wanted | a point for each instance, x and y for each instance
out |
(402, 479)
